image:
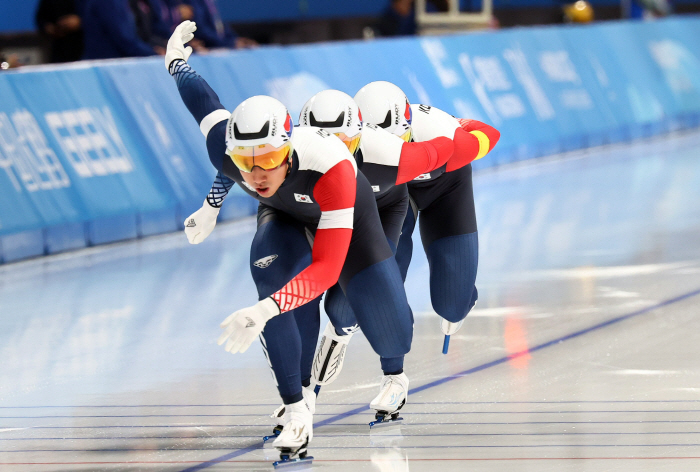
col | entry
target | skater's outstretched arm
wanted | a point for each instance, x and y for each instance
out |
(202, 102)
(399, 161)
(211, 116)
(487, 135)
(200, 224)
(421, 158)
(470, 143)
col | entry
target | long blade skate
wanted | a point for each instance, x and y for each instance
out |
(279, 413)
(275, 432)
(300, 463)
(291, 459)
(384, 419)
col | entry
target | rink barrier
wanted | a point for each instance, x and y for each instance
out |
(105, 151)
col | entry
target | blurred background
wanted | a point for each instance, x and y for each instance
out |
(41, 31)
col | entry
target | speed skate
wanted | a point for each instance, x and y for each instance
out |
(393, 393)
(293, 440)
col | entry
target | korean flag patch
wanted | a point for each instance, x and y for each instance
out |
(302, 198)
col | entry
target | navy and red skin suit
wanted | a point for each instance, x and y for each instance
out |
(324, 196)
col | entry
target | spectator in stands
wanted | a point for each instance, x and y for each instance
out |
(211, 28)
(170, 13)
(179, 11)
(112, 29)
(649, 9)
(59, 21)
(397, 20)
(152, 22)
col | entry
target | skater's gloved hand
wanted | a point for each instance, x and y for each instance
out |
(201, 223)
(242, 327)
(176, 44)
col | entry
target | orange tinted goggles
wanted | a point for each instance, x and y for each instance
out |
(266, 156)
(352, 143)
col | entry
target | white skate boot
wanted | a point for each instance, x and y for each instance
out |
(281, 416)
(330, 354)
(393, 393)
(449, 328)
(295, 436)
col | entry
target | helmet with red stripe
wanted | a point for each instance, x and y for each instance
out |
(385, 105)
(337, 113)
(258, 134)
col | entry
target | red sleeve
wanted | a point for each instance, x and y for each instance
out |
(491, 133)
(421, 158)
(335, 194)
(472, 141)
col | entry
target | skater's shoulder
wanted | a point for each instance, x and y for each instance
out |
(380, 146)
(430, 122)
(318, 150)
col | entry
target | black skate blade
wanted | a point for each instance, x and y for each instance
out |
(294, 464)
(386, 423)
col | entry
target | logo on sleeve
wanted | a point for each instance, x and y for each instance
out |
(375, 188)
(302, 198)
(265, 262)
(423, 177)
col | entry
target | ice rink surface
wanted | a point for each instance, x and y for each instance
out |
(583, 353)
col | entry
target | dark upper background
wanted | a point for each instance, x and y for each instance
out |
(303, 21)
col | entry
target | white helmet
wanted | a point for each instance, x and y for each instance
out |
(258, 134)
(337, 113)
(385, 105)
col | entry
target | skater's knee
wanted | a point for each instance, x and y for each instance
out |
(338, 309)
(396, 344)
(454, 307)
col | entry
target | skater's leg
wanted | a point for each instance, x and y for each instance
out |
(392, 214)
(450, 239)
(404, 251)
(328, 361)
(379, 302)
(280, 250)
(308, 318)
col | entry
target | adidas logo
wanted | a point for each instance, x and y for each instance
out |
(265, 262)
(302, 198)
(191, 223)
(250, 324)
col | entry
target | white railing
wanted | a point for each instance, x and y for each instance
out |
(453, 19)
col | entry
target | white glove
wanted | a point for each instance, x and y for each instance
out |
(176, 44)
(201, 223)
(242, 327)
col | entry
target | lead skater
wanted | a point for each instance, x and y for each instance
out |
(307, 185)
